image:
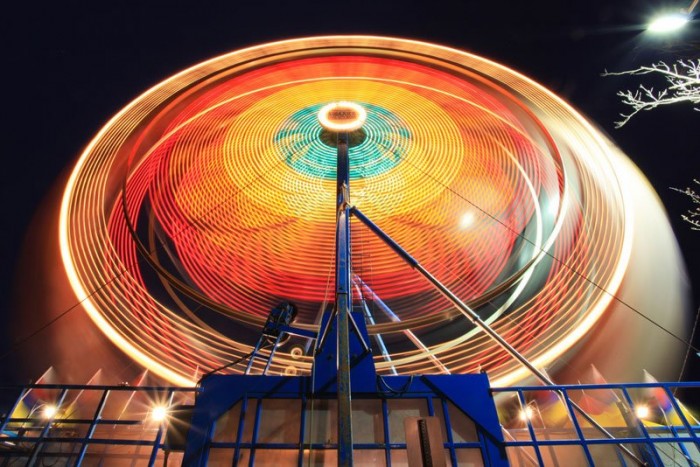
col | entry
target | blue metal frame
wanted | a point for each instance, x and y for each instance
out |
(219, 393)
(17, 444)
(642, 440)
(470, 394)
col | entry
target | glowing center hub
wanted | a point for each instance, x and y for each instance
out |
(342, 116)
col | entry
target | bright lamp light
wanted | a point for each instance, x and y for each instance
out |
(158, 413)
(49, 411)
(526, 414)
(642, 411)
(668, 23)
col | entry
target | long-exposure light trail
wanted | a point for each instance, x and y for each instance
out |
(214, 191)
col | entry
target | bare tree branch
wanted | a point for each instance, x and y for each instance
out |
(692, 216)
(682, 84)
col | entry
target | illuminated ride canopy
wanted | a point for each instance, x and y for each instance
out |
(211, 198)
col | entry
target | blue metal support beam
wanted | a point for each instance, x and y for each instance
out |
(343, 301)
(474, 317)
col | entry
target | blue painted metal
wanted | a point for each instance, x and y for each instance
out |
(684, 450)
(343, 303)
(385, 420)
(159, 433)
(47, 426)
(256, 430)
(473, 402)
(577, 427)
(302, 431)
(370, 319)
(450, 438)
(91, 428)
(468, 393)
(16, 404)
(362, 371)
(648, 452)
(528, 423)
(681, 415)
(239, 432)
(277, 325)
(218, 394)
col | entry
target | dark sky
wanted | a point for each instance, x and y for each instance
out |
(67, 68)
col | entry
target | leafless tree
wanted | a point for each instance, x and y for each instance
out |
(681, 84)
(692, 216)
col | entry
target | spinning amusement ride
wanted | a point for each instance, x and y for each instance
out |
(210, 199)
(382, 209)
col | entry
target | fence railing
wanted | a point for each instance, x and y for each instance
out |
(86, 424)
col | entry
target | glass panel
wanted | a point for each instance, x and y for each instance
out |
(95, 455)
(119, 456)
(276, 457)
(369, 457)
(129, 405)
(463, 428)
(400, 409)
(320, 457)
(279, 421)
(549, 415)
(399, 457)
(55, 454)
(448, 458)
(521, 456)
(117, 402)
(220, 457)
(657, 406)
(563, 455)
(607, 455)
(510, 414)
(693, 451)
(226, 427)
(71, 429)
(322, 421)
(437, 409)
(670, 453)
(472, 458)
(81, 404)
(367, 421)
(607, 408)
(249, 420)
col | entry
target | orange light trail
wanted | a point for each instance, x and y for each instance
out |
(210, 198)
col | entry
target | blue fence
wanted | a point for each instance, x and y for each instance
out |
(113, 425)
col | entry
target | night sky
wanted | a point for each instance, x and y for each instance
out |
(68, 68)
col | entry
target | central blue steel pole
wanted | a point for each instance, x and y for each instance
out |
(343, 300)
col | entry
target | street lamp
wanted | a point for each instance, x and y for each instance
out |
(670, 22)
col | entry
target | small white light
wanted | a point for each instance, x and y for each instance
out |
(158, 413)
(49, 411)
(642, 411)
(467, 220)
(526, 414)
(668, 23)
